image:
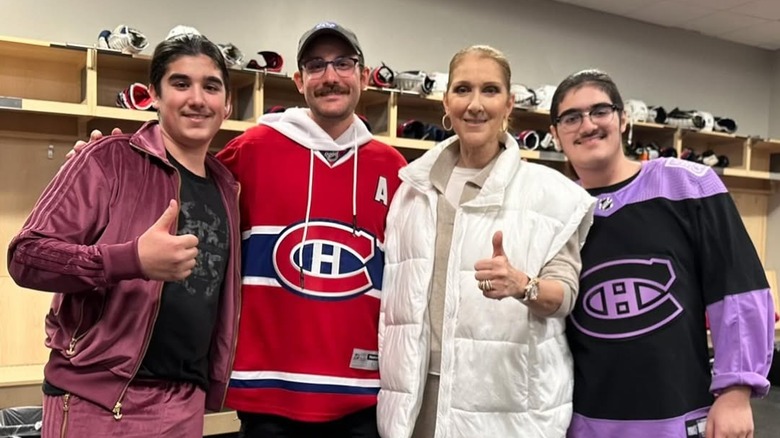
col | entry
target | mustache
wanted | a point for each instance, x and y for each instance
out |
(332, 89)
(594, 133)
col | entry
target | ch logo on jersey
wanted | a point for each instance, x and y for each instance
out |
(626, 298)
(337, 264)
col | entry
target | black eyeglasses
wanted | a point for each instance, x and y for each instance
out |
(599, 114)
(343, 65)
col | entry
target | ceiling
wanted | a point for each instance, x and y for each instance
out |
(752, 22)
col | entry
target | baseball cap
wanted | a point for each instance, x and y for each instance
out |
(329, 28)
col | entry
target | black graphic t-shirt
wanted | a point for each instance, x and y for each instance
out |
(179, 348)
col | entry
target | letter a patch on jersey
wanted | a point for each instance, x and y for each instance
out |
(381, 190)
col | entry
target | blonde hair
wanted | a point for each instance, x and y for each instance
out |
(483, 51)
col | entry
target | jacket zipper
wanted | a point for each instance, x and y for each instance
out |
(238, 303)
(148, 336)
(76, 337)
(65, 409)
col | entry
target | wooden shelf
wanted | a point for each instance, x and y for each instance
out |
(386, 106)
(281, 83)
(711, 138)
(40, 51)
(408, 143)
(257, 90)
(143, 116)
(408, 100)
(240, 78)
(108, 112)
(21, 375)
(50, 107)
(770, 145)
(113, 60)
(743, 173)
(237, 125)
(374, 96)
(543, 155)
(530, 118)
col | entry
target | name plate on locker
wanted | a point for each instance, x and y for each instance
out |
(10, 102)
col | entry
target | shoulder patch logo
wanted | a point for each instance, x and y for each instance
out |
(605, 203)
(695, 168)
(331, 264)
(626, 298)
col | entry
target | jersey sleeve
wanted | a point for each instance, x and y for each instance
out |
(736, 293)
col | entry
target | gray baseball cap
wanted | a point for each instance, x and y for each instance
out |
(329, 28)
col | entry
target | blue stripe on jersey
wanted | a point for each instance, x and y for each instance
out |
(302, 387)
(332, 253)
(259, 249)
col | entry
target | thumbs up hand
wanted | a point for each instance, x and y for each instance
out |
(165, 256)
(496, 277)
(498, 244)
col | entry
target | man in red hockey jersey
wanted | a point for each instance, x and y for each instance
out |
(315, 192)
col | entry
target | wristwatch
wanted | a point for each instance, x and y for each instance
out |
(531, 290)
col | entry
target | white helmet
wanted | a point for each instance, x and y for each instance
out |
(524, 96)
(544, 95)
(709, 120)
(126, 39)
(182, 31)
(636, 110)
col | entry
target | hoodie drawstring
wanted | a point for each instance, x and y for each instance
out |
(309, 200)
(308, 215)
(354, 183)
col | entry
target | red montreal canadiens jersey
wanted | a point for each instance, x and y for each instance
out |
(307, 344)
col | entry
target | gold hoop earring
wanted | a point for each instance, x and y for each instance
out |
(444, 124)
(505, 125)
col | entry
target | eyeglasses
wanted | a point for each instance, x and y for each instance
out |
(344, 66)
(599, 114)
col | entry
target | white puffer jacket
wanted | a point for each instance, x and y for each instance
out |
(504, 372)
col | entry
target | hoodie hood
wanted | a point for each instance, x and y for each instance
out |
(297, 125)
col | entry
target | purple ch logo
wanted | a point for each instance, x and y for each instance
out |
(626, 298)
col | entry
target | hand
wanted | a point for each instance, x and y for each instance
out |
(505, 280)
(731, 416)
(164, 256)
(95, 135)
